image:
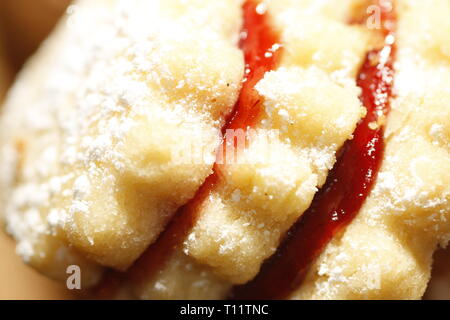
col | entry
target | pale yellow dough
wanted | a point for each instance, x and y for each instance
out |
(313, 107)
(101, 137)
(94, 131)
(386, 253)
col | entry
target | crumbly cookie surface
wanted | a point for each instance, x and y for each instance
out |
(386, 252)
(96, 131)
(314, 108)
(100, 141)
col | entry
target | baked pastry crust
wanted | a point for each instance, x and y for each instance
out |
(96, 176)
(386, 253)
(83, 181)
(313, 104)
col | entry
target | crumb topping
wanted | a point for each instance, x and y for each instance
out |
(104, 114)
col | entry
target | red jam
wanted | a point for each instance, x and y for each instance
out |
(257, 40)
(347, 186)
(261, 51)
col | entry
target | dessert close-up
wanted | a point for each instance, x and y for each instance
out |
(233, 149)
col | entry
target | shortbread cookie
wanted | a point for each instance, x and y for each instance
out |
(184, 149)
(386, 252)
(311, 101)
(98, 130)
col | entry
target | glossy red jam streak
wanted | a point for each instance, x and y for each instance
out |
(346, 188)
(258, 42)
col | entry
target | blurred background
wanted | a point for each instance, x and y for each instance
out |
(23, 26)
